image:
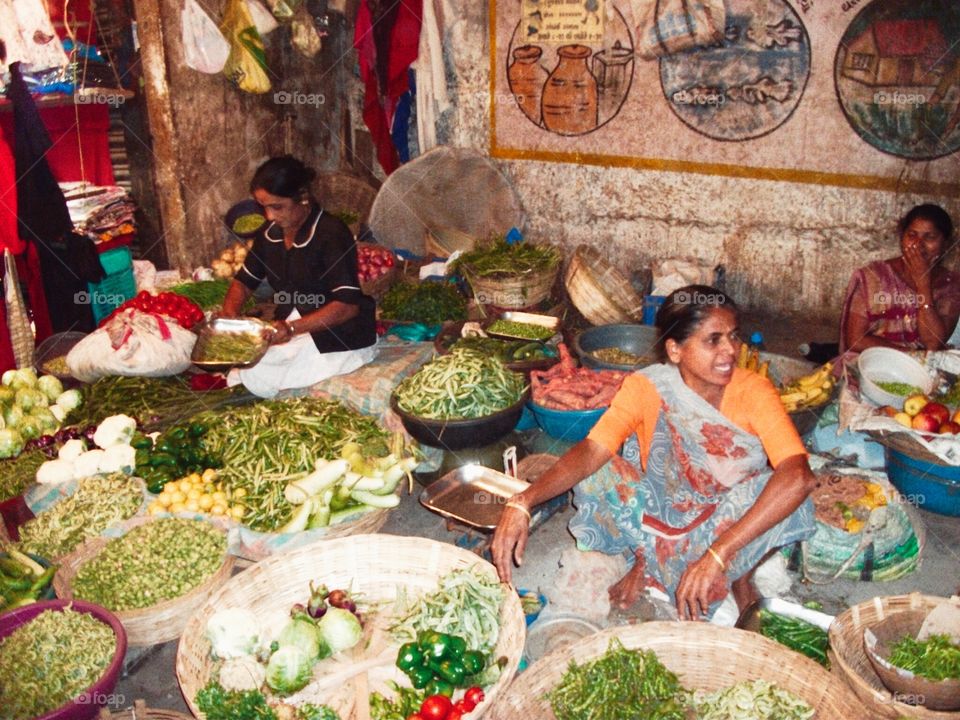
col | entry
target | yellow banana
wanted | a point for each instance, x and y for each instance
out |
(764, 370)
(754, 360)
(742, 356)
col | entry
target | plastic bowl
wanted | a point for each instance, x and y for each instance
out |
(87, 704)
(540, 598)
(567, 425)
(889, 365)
(244, 207)
(635, 339)
(460, 434)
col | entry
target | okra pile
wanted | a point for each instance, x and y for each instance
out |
(158, 561)
(51, 659)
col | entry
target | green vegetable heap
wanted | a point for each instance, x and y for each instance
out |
(249, 223)
(620, 684)
(161, 560)
(51, 659)
(440, 663)
(208, 294)
(752, 700)
(22, 579)
(898, 388)
(508, 351)
(461, 385)
(530, 331)
(219, 704)
(499, 258)
(796, 634)
(936, 658)
(178, 451)
(427, 302)
(97, 503)
(231, 347)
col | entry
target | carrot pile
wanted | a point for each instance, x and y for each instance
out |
(567, 387)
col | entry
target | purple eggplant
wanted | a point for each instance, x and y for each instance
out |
(338, 599)
(317, 605)
(46, 440)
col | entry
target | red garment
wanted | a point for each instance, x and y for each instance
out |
(403, 48)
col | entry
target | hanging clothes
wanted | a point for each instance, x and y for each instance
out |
(432, 96)
(387, 40)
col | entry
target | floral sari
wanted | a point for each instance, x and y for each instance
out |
(703, 473)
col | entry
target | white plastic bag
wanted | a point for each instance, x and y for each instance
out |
(133, 343)
(262, 18)
(29, 37)
(674, 273)
(204, 47)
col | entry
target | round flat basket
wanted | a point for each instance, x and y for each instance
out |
(704, 656)
(849, 658)
(150, 625)
(377, 569)
(140, 711)
(599, 291)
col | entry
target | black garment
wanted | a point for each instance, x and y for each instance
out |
(319, 268)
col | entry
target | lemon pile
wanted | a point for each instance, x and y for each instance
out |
(200, 493)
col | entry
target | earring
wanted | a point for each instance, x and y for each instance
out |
(304, 202)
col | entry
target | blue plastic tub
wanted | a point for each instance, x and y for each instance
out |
(927, 485)
(568, 425)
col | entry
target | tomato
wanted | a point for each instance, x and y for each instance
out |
(436, 707)
(462, 706)
(473, 696)
(455, 715)
(415, 716)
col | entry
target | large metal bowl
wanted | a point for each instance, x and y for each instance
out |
(461, 434)
(637, 340)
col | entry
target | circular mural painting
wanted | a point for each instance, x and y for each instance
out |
(571, 89)
(897, 75)
(750, 83)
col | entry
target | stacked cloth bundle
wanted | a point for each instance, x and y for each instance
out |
(102, 213)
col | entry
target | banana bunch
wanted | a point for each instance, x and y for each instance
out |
(809, 391)
(749, 359)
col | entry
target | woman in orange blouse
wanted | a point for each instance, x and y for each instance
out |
(712, 476)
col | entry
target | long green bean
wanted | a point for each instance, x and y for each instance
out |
(501, 258)
(936, 658)
(463, 384)
(51, 659)
(229, 347)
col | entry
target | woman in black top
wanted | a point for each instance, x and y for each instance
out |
(325, 324)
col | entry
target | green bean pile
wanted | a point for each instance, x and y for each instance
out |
(464, 384)
(268, 444)
(230, 347)
(620, 684)
(499, 258)
(161, 560)
(16, 473)
(752, 700)
(51, 659)
(796, 634)
(530, 331)
(98, 503)
(936, 658)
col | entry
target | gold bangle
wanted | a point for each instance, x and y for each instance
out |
(521, 508)
(716, 556)
(290, 329)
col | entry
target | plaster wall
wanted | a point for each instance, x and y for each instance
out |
(787, 247)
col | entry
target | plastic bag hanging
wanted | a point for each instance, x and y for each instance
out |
(262, 18)
(247, 65)
(667, 27)
(21, 334)
(204, 47)
(304, 36)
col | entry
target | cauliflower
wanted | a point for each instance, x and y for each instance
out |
(115, 430)
(242, 673)
(118, 458)
(87, 464)
(72, 449)
(233, 633)
(55, 471)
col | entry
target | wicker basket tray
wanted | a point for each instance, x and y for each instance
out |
(849, 659)
(151, 625)
(517, 291)
(373, 566)
(378, 287)
(140, 711)
(599, 291)
(705, 657)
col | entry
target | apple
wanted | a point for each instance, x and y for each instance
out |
(924, 423)
(949, 427)
(956, 416)
(887, 410)
(914, 404)
(941, 413)
(903, 419)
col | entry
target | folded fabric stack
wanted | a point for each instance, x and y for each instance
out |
(100, 212)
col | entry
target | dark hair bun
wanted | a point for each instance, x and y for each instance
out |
(283, 176)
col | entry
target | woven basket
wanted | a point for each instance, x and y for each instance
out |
(140, 711)
(444, 241)
(517, 291)
(375, 567)
(145, 626)
(340, 192)
(849, 660)
(599, 291)
(705, 657)
(378, 287)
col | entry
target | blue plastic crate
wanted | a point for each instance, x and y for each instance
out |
(117, 287)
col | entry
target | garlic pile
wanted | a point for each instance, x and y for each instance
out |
(231, 260)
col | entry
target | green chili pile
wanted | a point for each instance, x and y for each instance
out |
(97, 503)
(752, 700)
(796, 634)
(266, 445)
(620, 684)
(463, 384)
(936, 658)
(158, 561)
(427, 302)
(51, 659)
(16, 473)
(499, 258)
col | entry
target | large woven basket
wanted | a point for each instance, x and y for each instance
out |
(705, 657)
(522, 290)
(376, 568)
(849, 659)
(599, 291)
(140, 711)
(151, 625)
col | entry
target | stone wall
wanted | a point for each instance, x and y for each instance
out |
(787, 248)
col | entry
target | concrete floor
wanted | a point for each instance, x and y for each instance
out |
(150, 674)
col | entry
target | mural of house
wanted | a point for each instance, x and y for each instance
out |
(901, 53)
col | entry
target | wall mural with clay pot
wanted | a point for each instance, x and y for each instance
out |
(776, 89)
